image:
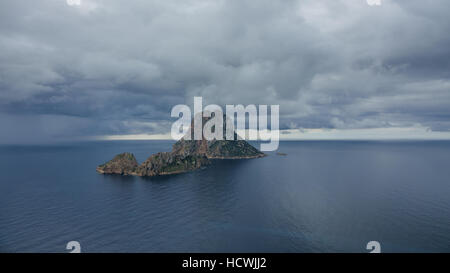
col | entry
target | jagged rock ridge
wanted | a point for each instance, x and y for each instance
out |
(170, 163)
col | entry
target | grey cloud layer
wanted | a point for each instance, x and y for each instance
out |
(117, 67)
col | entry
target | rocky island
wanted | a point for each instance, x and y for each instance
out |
(186, 155)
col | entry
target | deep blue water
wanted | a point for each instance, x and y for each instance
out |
(321, 197)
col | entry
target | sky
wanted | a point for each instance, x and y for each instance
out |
(113, 69)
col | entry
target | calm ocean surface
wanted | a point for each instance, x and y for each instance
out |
(321, 197)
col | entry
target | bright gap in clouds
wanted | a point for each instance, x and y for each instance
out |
(393, 133)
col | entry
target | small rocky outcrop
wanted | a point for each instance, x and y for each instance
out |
(124, 164)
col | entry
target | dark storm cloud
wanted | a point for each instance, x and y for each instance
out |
(117, 67)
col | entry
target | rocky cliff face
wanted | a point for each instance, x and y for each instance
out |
(186, 155)
(232, 149)
(217, 149)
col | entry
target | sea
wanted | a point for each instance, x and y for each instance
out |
(322, 196)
